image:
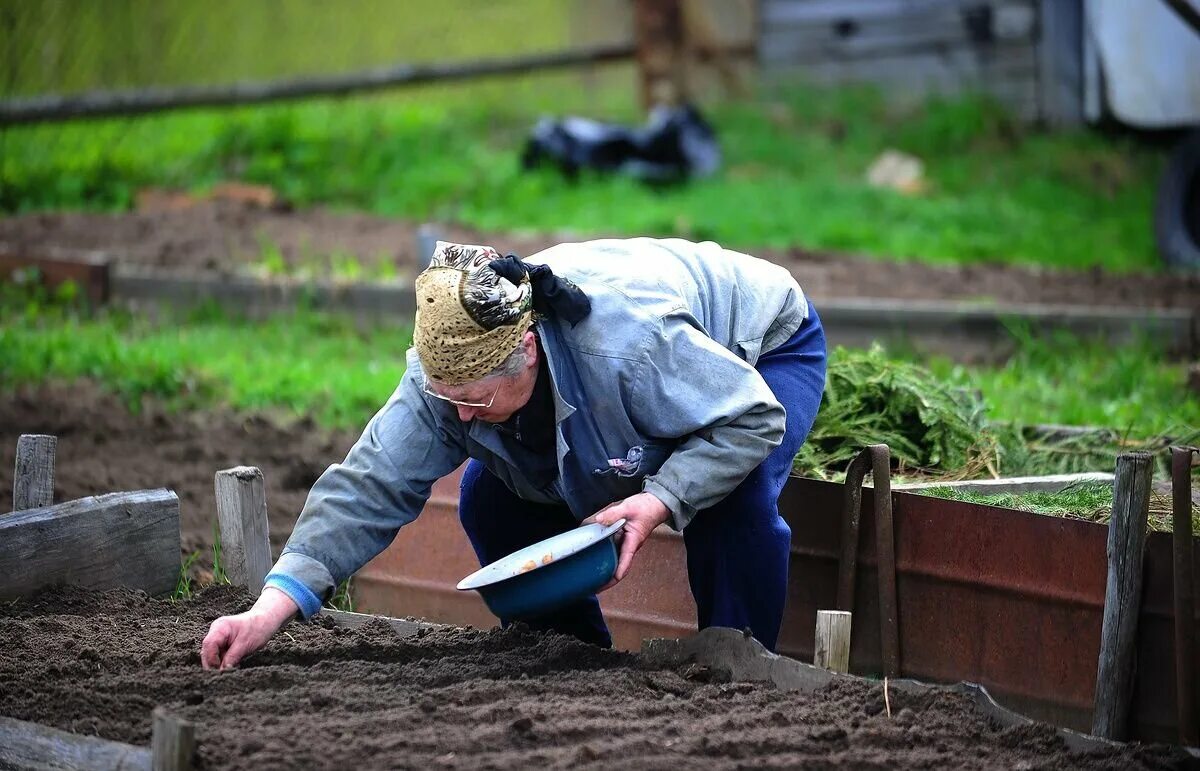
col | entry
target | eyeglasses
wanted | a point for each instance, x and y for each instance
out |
(459, 402)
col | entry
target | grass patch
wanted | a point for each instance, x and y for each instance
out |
(1091, 501)
(1063, 379)
(306, 363)
(794, 171)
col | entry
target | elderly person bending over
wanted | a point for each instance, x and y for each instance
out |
(659, 381)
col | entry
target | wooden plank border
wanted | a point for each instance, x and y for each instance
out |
(138, 285)
(960, 329)
(30, 745)
(404, 627)
(119, 539)
(90, 270)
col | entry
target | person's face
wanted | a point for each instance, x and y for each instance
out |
(492, 399)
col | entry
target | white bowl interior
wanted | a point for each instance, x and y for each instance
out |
(539, 554)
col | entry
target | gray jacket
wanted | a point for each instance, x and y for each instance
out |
(655, 390)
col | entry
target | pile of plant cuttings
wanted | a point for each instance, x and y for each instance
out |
(1091, 501)
(939, 431)
(932, 427)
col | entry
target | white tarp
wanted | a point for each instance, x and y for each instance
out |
(1150, 61)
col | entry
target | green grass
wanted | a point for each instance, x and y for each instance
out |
(303, 363)
(1091, 501)
(793, 174)
(1062, 379)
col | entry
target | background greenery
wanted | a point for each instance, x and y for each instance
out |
(794, 172)
(795, 159)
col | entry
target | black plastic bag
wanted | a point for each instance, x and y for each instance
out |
(676, 143)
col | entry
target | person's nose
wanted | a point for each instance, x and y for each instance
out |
(465, 414)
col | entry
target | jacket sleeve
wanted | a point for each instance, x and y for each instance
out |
(727, 420)
(356, 507)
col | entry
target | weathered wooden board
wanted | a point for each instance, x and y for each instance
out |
(120, 539)
(799, 30)
(908, 47)
(33, 478)
(89, 270)
(403, 626)
(29, 745)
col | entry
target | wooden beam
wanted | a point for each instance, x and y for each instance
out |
(832, 648)
(89, 270)
(173, 743)
(658, 31)
(119, 539)
(1183, 543)
(403, 626)
(1122, 597)
(105, 103)
(245, 540)
(29, 745)
(33, 481)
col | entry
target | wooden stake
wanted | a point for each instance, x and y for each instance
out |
(1185, 599)
(242, 512)
(33, 483)
(173, 742)
(1122, 597)
(832, 649)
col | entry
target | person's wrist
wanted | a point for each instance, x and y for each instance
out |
(662, 513)
(274, 607)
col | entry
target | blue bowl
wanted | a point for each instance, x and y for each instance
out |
(549, 574)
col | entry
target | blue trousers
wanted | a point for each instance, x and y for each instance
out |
(737, 550)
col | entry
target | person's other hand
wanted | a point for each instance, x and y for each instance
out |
(232, 638)
(642, 513)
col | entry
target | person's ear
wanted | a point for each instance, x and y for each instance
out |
(529, 344)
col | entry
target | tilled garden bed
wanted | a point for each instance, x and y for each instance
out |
(104, 447)
(322, 696)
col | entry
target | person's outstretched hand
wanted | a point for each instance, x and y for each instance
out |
(232, 638)
(642, 513)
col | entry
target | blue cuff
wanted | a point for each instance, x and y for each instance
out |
(301, 595)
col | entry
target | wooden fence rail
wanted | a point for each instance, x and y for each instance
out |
(98, 104)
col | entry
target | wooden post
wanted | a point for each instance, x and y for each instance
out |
(832, 649)
(33, 482)
(173, 742)
(242, 512)
(1185, 602)
(658, 31)
(1122, 597)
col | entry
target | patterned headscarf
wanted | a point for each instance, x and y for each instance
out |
(469, 317)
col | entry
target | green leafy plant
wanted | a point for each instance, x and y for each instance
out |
(342, 599)
(183, 585)
(219, 576)
(271, 259)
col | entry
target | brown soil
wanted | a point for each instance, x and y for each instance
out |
(323, 697)
(226, 235)
(102, 448)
